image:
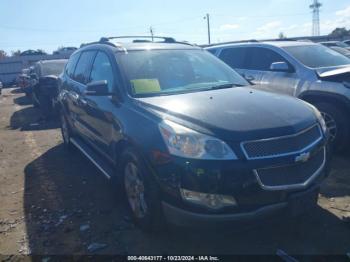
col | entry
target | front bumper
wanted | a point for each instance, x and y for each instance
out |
(297, 203)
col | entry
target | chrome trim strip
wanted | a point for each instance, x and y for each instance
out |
(293, 186)
(90, 158)
(282, 137)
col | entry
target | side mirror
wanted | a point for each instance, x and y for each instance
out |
(279, 67)
(97, 88)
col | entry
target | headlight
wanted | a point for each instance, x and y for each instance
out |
(320, 119)
(184, 142)
(212, 201)
(322, 123)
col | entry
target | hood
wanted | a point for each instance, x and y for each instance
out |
(331, 71)
(335, 74)
(234, 114)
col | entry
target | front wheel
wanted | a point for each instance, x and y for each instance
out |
(337, 124)
(141, 192)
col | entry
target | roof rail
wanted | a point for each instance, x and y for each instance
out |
(165, 39)
(232, 42)
(137, 39)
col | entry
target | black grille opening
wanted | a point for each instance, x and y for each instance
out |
(282, 145)
(291, 174)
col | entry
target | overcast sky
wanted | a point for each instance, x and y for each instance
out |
(47, 24)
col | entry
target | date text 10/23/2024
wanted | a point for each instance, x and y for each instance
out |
(173, 258)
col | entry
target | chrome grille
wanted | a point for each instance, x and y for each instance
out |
(281, 146)
(297, 175)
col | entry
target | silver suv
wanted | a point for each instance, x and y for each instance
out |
(310, 71)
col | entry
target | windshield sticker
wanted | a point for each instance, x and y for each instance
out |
(142, 86)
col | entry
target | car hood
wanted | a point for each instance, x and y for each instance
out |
(234, 114)
(332, 71)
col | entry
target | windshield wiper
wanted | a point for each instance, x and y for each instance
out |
(224, 86)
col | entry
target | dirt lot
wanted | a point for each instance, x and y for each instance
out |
(54, 202)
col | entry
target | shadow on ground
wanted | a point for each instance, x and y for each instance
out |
(338, 185)
(64, 194)
(22, 101)
(16, 91)
(30, 119)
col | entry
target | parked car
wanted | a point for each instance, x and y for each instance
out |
(341, 50)
(347, 42)
(45, 85)
(335, 43)
(65, 51)
(309, 71)
(186, 138)
(0, 87)
(23, 81)
(32, 52)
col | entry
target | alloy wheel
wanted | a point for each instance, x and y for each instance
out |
(135, 189)
(331, 125)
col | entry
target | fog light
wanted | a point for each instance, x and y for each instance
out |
(213, 201)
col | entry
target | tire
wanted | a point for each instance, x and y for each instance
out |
(142, 193)
(66, 132)
(338, 124)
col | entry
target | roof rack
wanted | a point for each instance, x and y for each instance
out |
(165, 39)
(137, 39)
(232, 42)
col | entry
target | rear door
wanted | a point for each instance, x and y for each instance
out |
(76, 92)
(66, 92)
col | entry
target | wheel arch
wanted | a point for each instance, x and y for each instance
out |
(313, 97)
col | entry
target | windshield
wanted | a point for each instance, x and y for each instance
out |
(156, 72)
(52, 68)
(316, 56)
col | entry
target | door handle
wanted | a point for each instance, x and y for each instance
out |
(249, 77)
(83, 101)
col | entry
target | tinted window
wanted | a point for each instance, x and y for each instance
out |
(82, 69)
(262, 58)
(234, 57)
(316, 56)
(71, 64)
(173, 71)
(102, 70)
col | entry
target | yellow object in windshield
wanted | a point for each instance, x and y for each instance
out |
(144, 86)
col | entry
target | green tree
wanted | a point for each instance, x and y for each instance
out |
(281, 35)
(15, 53)
(340, 32)
(2, 54)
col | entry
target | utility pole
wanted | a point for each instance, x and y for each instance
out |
(208, 25)
(151, 32)
(315, 17)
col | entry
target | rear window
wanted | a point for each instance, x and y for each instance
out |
(234, 57)
(316, 56)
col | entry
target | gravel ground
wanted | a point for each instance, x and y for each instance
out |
(54, 202)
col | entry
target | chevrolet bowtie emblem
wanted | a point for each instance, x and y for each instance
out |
(302, 157)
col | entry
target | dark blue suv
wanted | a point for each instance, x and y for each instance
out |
(185, 136)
